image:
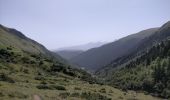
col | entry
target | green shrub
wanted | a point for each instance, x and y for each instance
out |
(50, 87)
(103, 90)
(77, 88)
(39, 78)
(57, 68)
(26, 71)
(43, 86)
(64, 94)
(4, 77)
(75, 94)
(58, 87)
(25, 60)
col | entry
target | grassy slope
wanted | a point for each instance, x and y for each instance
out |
(25, 79)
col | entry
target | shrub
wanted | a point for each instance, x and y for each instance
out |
(77, 88)
(75, 94)
(166, 93)
(39, 78)
(26, 71)
(43, 86)
(25, 60)
(56, 68)
(64, 95)
(4, 53)
(59, 87)
(69, 72)
(103, 90)
(50, 87)
(4, 77)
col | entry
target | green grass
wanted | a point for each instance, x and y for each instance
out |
(21, 79)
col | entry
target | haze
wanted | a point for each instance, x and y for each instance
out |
(62, 23)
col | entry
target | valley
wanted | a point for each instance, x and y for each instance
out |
(29, 71)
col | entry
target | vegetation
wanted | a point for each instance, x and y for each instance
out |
(148, 72)
(27, 69)
(23, 77)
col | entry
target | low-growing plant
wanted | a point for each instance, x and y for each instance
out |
(103, 90)
(75, 94)
(64, 94)
(77, 88)
(6, 78)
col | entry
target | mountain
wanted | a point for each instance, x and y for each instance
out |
(83, 47)
(96, 58)
(28, 71)
(66, 54)
(146, 69)
(161, 34)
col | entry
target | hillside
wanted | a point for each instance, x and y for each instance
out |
(147, 70)
(96, 58)
(68, 54)
(161, 34)
(11, 37)
(27, 72)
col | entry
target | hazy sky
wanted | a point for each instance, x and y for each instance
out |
(60, 23)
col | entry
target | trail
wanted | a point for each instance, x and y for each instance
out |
(36, 97)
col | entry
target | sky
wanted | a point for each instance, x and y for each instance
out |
(62, 23)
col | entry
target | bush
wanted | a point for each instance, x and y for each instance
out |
(4, 53)
(56, 68)
(4, 77)
(75, 95)
(26, 71)
(166, 93)
(43, 86)
(103, 90)
(64, 95)
(51, 87)
(69, 72)
(25, 60)
(39, 78)
(59, 87)
(77, 88)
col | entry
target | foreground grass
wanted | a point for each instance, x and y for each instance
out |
(72, 89)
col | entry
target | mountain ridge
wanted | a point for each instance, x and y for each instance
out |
(110, 51)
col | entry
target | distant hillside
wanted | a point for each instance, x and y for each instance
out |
(96, 58)
(66, 54)
(83, 47)
(161, 34)
(149, 71)
(146, 70)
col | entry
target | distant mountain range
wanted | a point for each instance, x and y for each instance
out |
(73, 51)
(82, 47)
(96, 58)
